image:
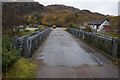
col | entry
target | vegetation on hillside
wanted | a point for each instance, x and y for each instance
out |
(11, 19)
(61, 14)
(69, 17)
(33, 19)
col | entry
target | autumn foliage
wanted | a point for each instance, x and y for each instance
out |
(72, 17)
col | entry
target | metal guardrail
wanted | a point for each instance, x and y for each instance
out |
(30, 43)
(111, 46)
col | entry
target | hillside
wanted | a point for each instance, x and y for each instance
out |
(53, 14)
(25, 7)
(35, 7)
(57, 7)
(67, 14)
(62, 9)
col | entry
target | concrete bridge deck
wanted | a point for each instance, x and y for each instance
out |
(64, 56)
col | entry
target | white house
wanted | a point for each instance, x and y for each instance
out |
(99, 25)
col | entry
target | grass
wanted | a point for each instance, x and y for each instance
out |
(111, 35)
(27, 26)
(61, 65)
(118, 61)
(21, 69)
(23, 33)
(52, 29)
(65, 29)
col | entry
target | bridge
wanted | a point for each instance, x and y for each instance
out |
(64, 56)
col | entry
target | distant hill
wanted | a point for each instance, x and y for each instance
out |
(67, 12)
(25, 7)
(31, 7)
(74, 15)
(62, 9)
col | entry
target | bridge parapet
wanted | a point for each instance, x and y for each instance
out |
(30, 43)
(111, 46)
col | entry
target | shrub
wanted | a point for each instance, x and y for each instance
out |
(88, 29)
(9, 53)
(26, 30)
(38, 29)
(71, 25)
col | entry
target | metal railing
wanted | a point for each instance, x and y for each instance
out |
(30, 43)
(110, 46)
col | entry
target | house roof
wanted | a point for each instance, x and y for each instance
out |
(97, 22)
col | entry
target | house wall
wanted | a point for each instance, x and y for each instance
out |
(106, 22)
(100, 28)
(93, 26)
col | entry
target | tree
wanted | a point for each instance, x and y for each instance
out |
(34, 20)
(47, 19)
(39, 18)
(88, 29)
(71, 25)
(25, 21)
(29, 20)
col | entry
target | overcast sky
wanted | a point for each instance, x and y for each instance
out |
(102, 6)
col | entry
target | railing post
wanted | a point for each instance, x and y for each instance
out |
(15, 42)
(83, 36)
(25, 47)
(115, 47)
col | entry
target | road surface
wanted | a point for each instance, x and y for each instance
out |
(64, 56)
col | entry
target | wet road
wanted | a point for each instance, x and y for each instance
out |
(64, 56)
